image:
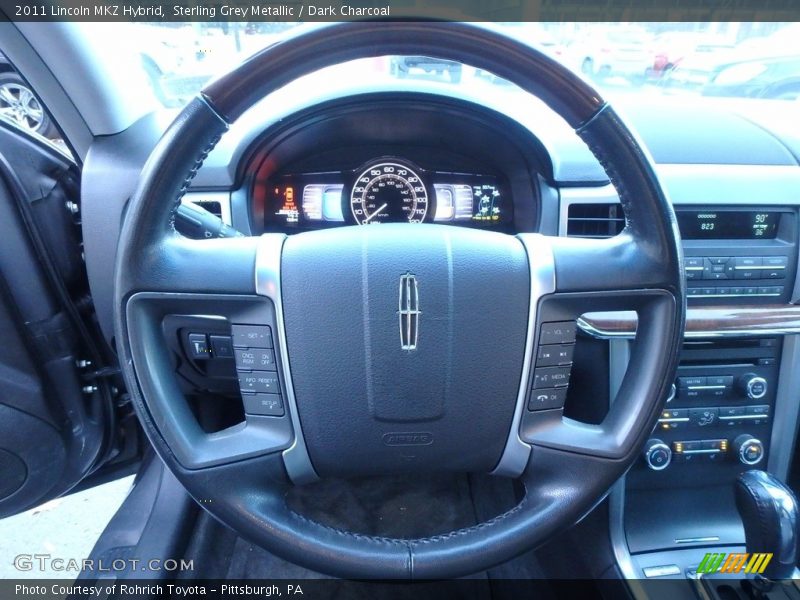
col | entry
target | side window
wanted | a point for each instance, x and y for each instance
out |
(21, 106)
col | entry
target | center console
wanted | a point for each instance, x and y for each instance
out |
(731, 408)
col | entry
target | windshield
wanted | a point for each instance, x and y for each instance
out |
(713, 60)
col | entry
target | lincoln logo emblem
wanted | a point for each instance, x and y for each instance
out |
(409, 312)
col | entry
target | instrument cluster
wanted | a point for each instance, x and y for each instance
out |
(384, 190)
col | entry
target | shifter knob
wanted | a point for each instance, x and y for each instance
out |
(769, 514)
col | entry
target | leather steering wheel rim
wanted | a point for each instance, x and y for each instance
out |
(567, 467)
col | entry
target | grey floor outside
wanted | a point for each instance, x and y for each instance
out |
(64, 528)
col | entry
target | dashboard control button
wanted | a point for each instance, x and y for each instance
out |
(548, 377)
(776, 261)
(757, 409)
(693, 262)
(694, 292)
(657, 455)
(221, 346)
(547, 399)
(661, 571)
(750, 291)
(259, 383)
(720, 380)
(555, 354)
(753, 386)
(694, 274)
(773, 274)
(703, 417)
(675, 413)
(747, 261)
(251, 336)
(718, 260)
(562, 332)
(198, 343)
(255, 359)
(749, 450)
(747, 274)
(270, 405)
(686, 382)
(726, 412)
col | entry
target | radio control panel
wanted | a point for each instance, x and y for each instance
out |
(719, 420)
(739, 256)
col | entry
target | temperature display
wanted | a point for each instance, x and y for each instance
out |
(728, 225)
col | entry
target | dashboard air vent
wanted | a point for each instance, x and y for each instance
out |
(595, 220)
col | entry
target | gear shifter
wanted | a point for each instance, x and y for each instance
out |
(769, 514)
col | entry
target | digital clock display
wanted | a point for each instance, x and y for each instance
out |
(728, 225)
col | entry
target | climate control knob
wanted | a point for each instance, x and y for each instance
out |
(753, 386)
(748, 449)
(657, 455)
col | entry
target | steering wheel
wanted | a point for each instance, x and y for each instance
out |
(399, 348)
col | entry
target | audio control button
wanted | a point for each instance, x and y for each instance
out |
(686, 382)
(548, 377)
(562, 332)
(720, 380)
(753, 386)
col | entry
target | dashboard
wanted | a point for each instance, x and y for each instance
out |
(423, 160)
(384, 190)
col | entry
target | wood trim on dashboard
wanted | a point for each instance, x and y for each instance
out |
(705, 321)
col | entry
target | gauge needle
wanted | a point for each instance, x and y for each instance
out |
(377, 210)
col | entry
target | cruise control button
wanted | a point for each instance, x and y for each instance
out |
(548, 377)
(555, 354)
(547, 399)
(259, 383)
(251, 336)
(255, 359)
(270, 405)
(562, 332)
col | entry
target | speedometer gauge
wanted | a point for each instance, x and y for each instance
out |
(389, 192)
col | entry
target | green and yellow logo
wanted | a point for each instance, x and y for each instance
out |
(736, 562)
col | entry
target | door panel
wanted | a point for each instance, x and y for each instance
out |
(58, 406)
